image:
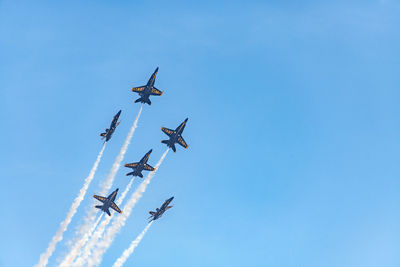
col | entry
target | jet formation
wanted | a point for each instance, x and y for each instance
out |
(175, 136)
(138, 167)
(147, 90)
(109, 132)
(160, 211)
(108, 202)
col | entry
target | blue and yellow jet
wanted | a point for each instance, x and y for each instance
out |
(109, 132)
(175, 136)
(160, 211)
(108, 202)
(138, 167)
(147, 90)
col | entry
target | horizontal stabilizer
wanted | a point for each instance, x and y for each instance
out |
(139, 100)
(108, 212)
(98, 206)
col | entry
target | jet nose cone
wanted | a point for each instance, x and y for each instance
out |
(116, 190)
(186, 119)
(171, 198)
(156, 69)
(151, 150)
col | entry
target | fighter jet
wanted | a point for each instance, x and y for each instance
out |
(147, 90)
(109, 132)
(138, 167)
(175, 136)
(160, 211)
(108, 202)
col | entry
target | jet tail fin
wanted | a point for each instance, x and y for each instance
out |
(130, 173)
(164, 142)
(98, 206)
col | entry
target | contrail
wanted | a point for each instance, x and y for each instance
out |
(99, 232)
(44, 257)
(117, 163)
(106, 185)
(78, 245)
(127, 252)
(119, 222)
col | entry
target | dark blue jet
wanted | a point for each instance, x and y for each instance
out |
(138, 167)
(175, 136)
(109, 132)
(147, 90)
(160, 211)
(108, 202)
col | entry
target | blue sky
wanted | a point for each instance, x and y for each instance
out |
(293, 127)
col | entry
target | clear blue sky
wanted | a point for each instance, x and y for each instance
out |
(294, 127)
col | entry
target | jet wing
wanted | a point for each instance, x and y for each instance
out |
(138, 89)
(182, 142)
(99, 198)
(115, 207)
(152, 78)
(131, 165)
(155, 91)
(146, 157)
(147, 167)
(167, 131)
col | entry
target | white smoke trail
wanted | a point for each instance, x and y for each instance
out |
(99, 232)
(105, 187)
(44, 257)
(119, 222)
(127, 252)
(117, 163)
(78, 245)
